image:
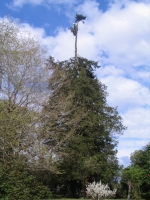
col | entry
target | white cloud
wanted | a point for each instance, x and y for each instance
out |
(33, 31)
(132, 143)
(144, 75)
(128, 146)
(110, 70)
(126, 151)
(119, 36)
(20, 3)
(124, 92)
(138, 123)
(120, 40)
(122, 33)
(124, 160)
(63, 1)
(137, 134)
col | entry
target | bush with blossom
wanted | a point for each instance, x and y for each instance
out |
(99, 191)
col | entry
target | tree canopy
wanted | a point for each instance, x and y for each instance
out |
(56, 127)
(137, 173)
(21, 69)
(81, 124)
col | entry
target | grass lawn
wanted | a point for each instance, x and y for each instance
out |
(78, 199)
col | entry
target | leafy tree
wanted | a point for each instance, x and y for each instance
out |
(16, 183)
(134, 178)
(136, 175)
(23, 91)
(22, 80)
(23, 74)
(79, 126)
(135, 156)
(141, 157)
(15, 126)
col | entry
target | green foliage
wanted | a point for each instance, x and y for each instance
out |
(21, 83)
(74, 136)
(134, 176)
(16, 183)
(81, 124)
(137, 174)
(15, 123)
(78, 18)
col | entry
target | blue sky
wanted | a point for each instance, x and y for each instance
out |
(117, 34)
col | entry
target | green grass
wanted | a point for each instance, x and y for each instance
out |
(78, 199)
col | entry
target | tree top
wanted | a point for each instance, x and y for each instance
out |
(79, 18)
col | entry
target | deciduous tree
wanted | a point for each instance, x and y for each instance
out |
(136, 175)
(23, 80)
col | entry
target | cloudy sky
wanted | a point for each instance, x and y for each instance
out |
(117, 34)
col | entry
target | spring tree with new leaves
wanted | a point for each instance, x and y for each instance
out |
(135, 180)
(21, 82)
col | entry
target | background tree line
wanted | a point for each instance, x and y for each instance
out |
(135, 180)
(57, 132)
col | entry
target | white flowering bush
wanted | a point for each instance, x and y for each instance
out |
(99, 191)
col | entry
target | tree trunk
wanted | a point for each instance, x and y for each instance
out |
(129, 190)
(76, 38)
(84, 184)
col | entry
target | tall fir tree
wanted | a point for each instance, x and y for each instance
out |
(79, 127)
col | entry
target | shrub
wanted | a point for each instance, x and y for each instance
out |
(99, 191)
(15, 184)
